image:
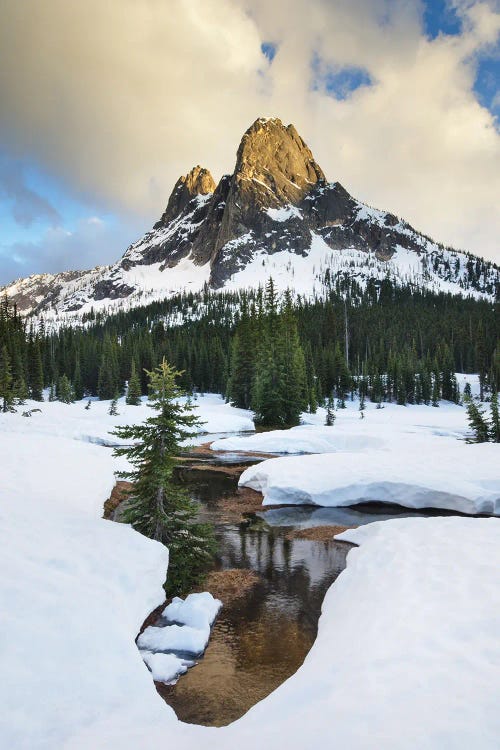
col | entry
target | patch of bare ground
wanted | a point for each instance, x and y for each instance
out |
(118, 494)
(229, 470)
(232, 509)
(317, 533)
(230, 585)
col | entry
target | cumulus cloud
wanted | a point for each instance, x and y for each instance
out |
(119, 98)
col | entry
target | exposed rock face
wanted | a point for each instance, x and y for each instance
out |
(276, 203)
(172, 237)
(198, 181)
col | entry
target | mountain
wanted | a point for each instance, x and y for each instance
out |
(275, 215)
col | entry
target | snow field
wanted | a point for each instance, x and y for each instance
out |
(408, 650)
(414, 456)
(94, 425)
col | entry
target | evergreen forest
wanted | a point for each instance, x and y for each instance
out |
(275, 353)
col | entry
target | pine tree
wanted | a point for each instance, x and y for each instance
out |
(477, 423)
(495, 420)
(77, 381)
(108, 382)
(239, 386)
(158, 507)
(268, 398)
(294, 384)
(20, 391)
(6, 389)
(435, 389)
(362, 405)
(65, 390)
(134, 387)
(330, 413)
(35, 367)
(113, 407)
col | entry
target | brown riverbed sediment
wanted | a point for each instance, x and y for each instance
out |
(317, 533)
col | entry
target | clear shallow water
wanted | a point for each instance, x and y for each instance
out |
(260, 640)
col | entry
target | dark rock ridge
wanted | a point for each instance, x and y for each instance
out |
(277, 199)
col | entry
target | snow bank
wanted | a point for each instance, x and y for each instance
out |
(459, 477)
(175, 638)
(196, 614)
(165, 667)
(197, 610)
(74, 592)
(407, 655)
(415, 456)
(303, 439)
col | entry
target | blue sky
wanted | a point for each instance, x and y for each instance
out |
(60, 210)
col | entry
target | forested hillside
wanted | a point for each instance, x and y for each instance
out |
(274, 353)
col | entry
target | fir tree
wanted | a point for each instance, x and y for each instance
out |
(78, 389)
(239, 386)
(268, 398)
(65, 390)
(20, 391)
(35, 372)
(330, 413)
(113, 407)
(6, 389)
(495, 421)
(362, 405)
(435, 389)
(108, 382)
(158, 507)
(477, 423)
(134, 388)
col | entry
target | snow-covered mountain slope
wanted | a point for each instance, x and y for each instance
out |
(275, 215)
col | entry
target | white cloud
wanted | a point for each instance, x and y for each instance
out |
(121, 97)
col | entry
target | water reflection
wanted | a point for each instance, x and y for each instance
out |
(260, 641)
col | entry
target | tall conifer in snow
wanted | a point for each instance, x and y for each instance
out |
(6, 391)
(133, 397)
(157, 506)
(243, 351)
(495, 419)
(477, 423)
(268, 394)
(35, 371)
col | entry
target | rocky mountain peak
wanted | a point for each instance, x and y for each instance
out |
(276, 161)
(198, 181)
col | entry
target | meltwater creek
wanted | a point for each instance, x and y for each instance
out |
(270, 617)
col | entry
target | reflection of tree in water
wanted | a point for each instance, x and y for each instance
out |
(258, 641)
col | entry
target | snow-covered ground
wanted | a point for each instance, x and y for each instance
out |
(415, 456)
(407, 656)
(94, 424)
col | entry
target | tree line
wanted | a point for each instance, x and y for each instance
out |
(277, 354)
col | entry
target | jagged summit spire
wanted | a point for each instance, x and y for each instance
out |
(198, 181)
(275, 156)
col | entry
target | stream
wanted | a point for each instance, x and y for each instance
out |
(262, 637)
